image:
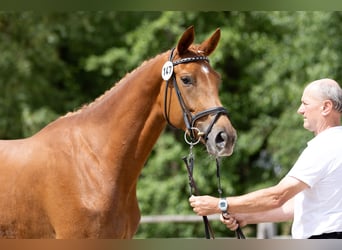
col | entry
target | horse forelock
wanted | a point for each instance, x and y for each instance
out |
(193, 50)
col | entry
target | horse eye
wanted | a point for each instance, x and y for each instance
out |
(186, 80)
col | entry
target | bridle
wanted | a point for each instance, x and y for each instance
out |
(190, 123)
(190, 119)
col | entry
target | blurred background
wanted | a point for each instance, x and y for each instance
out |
(52, 63)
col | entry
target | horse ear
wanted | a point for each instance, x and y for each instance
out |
(209, 45)
(186, 40)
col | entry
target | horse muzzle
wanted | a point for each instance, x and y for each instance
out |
(221, 141)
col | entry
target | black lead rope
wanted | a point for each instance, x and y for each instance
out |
(189, 162)
(238, 232)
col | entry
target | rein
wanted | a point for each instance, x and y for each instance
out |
(192, 131)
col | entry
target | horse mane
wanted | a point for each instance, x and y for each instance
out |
(194, 48)
(107, 92)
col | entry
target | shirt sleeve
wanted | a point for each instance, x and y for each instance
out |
(309, 168)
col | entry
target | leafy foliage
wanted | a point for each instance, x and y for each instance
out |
(53, 63)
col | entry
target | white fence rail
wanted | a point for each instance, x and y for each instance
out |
(264, 230)
(175, 218)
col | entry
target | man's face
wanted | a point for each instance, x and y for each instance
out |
(311, 109)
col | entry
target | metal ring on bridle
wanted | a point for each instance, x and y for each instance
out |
(191, 142)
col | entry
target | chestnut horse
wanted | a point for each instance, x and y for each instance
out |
(77, 177)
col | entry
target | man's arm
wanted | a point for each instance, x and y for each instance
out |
(281, 214)
(257, 201)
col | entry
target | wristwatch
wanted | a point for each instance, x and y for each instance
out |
(223, 205)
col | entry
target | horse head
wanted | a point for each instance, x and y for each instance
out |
(191, 100)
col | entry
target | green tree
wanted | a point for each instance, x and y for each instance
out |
(54, 63)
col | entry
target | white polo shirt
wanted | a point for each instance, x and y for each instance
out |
(318, 209)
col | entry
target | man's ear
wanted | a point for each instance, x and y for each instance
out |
(327, 107)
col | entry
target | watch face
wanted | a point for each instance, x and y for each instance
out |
(223, 205)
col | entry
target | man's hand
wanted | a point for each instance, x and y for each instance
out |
(204, 205)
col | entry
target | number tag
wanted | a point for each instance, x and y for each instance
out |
(167, 70)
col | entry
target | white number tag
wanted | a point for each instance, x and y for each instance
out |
(167, 70)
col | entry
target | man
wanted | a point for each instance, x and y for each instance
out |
(311, 193)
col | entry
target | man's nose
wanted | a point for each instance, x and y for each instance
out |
(300, 109)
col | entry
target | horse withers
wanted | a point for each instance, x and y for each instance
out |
(77, 177)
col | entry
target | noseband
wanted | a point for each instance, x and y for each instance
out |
(189, 119)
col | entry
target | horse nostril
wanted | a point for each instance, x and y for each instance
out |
(221, 140)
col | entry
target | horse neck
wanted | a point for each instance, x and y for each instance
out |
(124, 126)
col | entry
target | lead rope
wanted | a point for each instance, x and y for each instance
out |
(189, 162)
(238, 232)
